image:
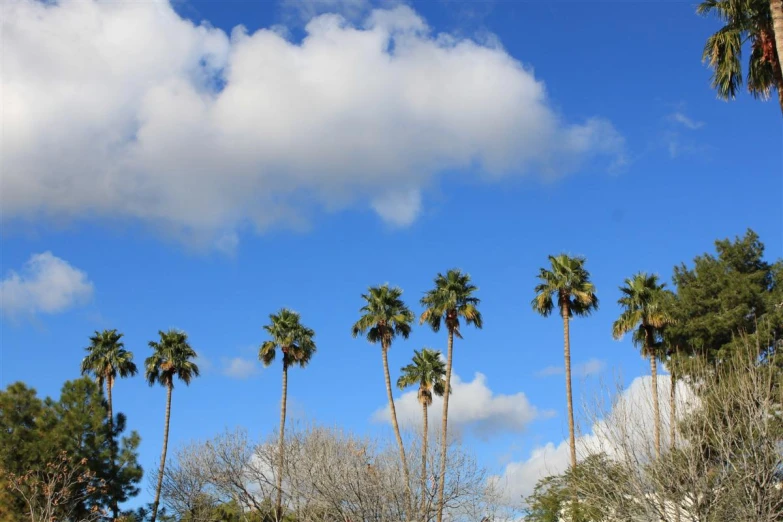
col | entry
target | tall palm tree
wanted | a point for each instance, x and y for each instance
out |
(757, 22)
(567, 280)
(449, 301)
(296, 343)
(107, 359)
(645, 315)
(384, 317)
(428, 371)
(172, 357)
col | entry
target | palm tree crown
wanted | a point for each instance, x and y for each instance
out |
(171, 358)
(745, 21)
(107, 357)
(644, 312)
(291, 337)
(384, 316)
(570, 282)
(451, 299)
(428, 370)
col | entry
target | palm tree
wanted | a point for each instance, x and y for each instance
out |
(451, 299)
(107, 359)
(428, 371)
(758, 22)
(645, 315)
(385, 316)
(296, 343)
(171, 357)
(570, 282)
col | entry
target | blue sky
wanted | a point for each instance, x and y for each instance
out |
(593, 131)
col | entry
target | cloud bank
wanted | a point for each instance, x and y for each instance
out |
(473, 407)
(46, 284)
(125, 110)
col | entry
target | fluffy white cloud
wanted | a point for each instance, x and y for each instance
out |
(585, 369)
(473, 406)
(632, 409)
(125, 110)
(46, 284)
(240, 368)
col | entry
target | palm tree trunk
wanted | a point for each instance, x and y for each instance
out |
(396, 426)
(656, 410)
(444, 427)
(569, 395)
(109, 382)
(155, 504)
(776, 9)
(424, 464)
(108, 399)
(281, 447)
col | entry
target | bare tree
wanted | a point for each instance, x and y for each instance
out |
(329, 475)
(58, 490)
(726, 463)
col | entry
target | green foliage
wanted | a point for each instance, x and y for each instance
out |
(745, 21)
(291, 337)
(451, 299)
(107, 357)
(644, 312)
(171, 358)
(34, 433)
(384, 316)
(555, 498)
(570, 282)
(428, 370)
(727, 295)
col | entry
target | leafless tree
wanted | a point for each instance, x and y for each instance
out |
(726, 464)
(329, 475)
(58, 490)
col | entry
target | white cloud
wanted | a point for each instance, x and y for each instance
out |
(473, 406)
(239, 368)
(633, 408)
(687, 122)
(46, 284)
(306, 10)
(204, 363)
(585, 369)
(125, 110)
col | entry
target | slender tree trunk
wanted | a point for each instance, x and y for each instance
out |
(444, 427)
(673, 428)
(155, 504)
(396, 426)
(776, 9)
(672, 409)
(109, 383)
(108, 399)
(569, 395)
(281, 447)
(656, 409)
(424, 463)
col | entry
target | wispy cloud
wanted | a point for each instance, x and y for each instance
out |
(686, 121)
(239, 368)
(585, 369)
